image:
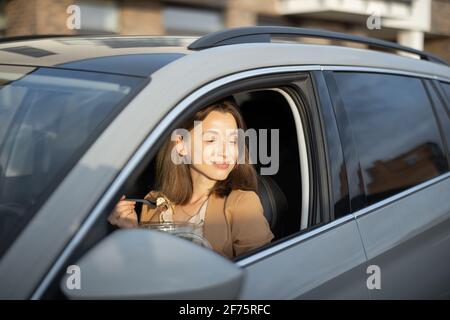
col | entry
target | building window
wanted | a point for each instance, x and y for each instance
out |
(99, 16)
(2, 18)
(190, 21)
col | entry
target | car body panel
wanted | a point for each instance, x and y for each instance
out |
(312, 267)
(409, 240)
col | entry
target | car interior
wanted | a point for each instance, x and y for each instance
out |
(279, 193)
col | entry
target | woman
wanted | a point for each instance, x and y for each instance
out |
(218, 192)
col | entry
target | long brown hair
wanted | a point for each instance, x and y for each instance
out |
(174, 180)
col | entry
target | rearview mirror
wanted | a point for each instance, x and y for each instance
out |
(143, 264)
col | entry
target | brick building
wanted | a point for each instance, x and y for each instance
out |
(422, 24)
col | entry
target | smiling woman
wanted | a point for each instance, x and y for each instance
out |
(204, 178)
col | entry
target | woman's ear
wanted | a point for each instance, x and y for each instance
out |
(180, 145)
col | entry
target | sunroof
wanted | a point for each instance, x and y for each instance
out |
(29, 51)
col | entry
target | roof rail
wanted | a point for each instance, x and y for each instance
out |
(264, 34)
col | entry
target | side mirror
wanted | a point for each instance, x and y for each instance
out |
(144, 264)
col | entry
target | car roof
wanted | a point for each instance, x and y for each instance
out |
(131, 55)
(143, 55)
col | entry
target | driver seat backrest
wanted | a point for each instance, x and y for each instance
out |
(274, 203)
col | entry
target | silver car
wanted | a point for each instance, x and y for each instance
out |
(358, 197)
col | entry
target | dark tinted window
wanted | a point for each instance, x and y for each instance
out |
(47, 117)
(442, 108)
(446, 87)
(395, 131)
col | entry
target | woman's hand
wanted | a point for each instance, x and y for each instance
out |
(124, 215)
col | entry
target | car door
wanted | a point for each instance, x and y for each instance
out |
(400, 180)
(322, 261)
(326, 263)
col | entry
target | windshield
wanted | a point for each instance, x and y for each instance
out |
(48, 117)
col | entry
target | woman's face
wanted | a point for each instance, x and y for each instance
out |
(214, 145)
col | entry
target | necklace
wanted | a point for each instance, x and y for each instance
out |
(189, 215)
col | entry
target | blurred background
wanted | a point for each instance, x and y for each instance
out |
(422, 24)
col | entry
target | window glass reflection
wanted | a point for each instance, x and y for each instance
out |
(394, 129)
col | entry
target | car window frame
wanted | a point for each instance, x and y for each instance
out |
(267, 81)
(358, 196)
(147, 150)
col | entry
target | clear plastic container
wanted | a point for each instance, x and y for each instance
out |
(185, 230)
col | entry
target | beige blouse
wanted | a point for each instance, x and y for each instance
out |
(233, 225)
